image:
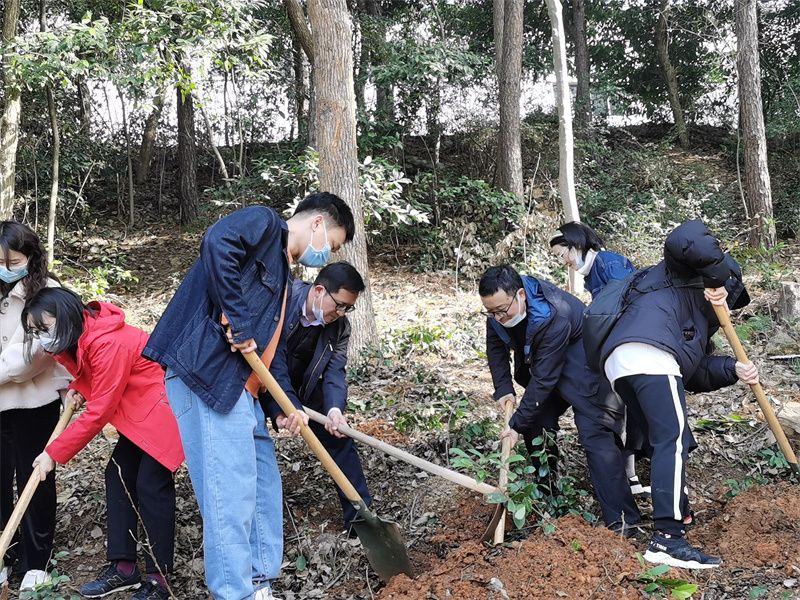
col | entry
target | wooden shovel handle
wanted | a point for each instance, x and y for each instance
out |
(313, 442)
(420, 463)
(30, 487)
(505, 452)
(761, 397)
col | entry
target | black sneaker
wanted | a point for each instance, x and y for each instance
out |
(676, 552)
(151, 591)
(109, 581)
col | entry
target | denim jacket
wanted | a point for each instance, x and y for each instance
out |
(242, 272)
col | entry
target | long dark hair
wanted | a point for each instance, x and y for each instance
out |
(20, 238)
(68, 310)
(579, 236)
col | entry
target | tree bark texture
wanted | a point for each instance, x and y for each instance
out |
(670, 76)
(757, 187)
(509, 151)
(300, 27)
(187, 158)
(335, 114)
(9, 121)
(566, 143)
(149, 135)
(583, 99)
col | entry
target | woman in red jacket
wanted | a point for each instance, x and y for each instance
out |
(122, 388)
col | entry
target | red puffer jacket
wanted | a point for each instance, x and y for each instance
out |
(121, 387)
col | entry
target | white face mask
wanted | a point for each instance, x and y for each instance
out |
(516, 319)
(577, 258)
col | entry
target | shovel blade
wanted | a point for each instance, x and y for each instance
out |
(383, 544)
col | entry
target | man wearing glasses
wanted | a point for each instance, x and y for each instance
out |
(540, 325)
(317, 333)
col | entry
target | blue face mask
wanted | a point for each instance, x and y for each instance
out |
(13, 275)
(314, 258)
(47, 342)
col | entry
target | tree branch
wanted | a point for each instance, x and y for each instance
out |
(300, 26)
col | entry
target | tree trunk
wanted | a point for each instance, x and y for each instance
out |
(509, 151)
(360, 74)
(583, 99)
(300, 27)
(131, 206)
(187, 158)
(54, 171)
(300, 89)
(758, 193)
(670, 77)
(497, 18)
(335, 114)
(383, 92)
(220, 161)
(149, 137)
(9, 121)
(85, 100)
(566, 166)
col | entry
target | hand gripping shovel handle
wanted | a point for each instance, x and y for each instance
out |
(761, 397)
(30, 488)
(505, 452)
(316, 446)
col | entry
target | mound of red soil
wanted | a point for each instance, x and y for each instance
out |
(576, 561)
(757, 528)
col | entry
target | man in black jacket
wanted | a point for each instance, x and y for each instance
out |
(659, 347)
(540, 325)
(317, 333)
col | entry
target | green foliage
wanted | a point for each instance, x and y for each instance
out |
(658, 586)
(417, 338)
(53, 589)
(737, 487)
(757, 324)
(381, 185)
(530, 491)
(95, 282)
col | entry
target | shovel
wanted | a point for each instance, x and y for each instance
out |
(761, 397)
(496, 531)
(30, 488)
(420, 463)
(382, 540)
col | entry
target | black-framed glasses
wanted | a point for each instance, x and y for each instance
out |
(500, 312)
(341, 307)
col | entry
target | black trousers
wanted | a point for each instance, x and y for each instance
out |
(23, 436)
(659, 402)
(132, 474)
(599, 435)
(344, 453)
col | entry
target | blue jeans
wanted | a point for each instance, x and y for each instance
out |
(235, 477)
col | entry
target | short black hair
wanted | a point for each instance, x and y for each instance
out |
(578, 235)
(62, 304)
(334, 208)
(338, 275)
(501, 277)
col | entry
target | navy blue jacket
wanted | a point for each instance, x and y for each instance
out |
(242, 271)
(668, 309)
(606, 267)
(325, 377)
(552, 354)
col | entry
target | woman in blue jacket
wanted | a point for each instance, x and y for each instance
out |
(581, 249)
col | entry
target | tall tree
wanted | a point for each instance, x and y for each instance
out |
(149, 136)
(566, 142)
(670, 75)
(56, 159)
(9, 121)
(758, 192)
(187, 157)
(583, 99)
(335, 114)
(509, 76)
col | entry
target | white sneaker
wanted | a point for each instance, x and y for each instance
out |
(265, 593)
(33, 578)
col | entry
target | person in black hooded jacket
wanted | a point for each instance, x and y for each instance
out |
(660, 347)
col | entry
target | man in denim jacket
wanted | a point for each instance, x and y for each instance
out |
(240, 279)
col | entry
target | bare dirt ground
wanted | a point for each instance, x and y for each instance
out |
(423, 394)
